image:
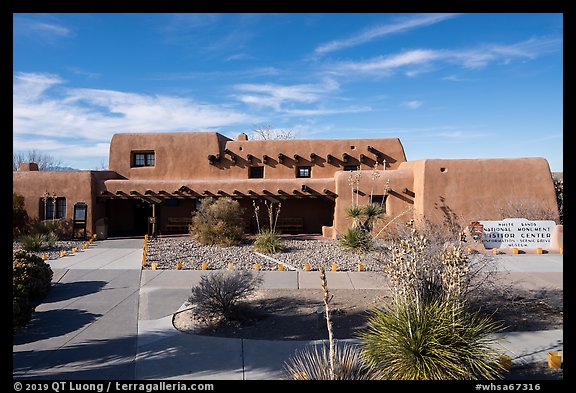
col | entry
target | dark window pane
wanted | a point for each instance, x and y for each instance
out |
(61, 208)
(351, 168)
(256, 172)
(150, 160)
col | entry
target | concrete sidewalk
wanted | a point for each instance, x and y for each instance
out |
(107, 319)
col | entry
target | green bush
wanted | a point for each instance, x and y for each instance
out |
(37, 241)
(268, 241)
(357, 240)
(218, 221)
(437, 340)
(218, 294)
(31, 281)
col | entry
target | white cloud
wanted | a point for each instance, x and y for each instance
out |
(415, 104)
(383, 30)
(98, 114)
(420, 60)
(274, 96)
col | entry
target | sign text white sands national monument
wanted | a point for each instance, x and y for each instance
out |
(517, 233)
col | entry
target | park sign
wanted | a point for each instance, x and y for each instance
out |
(517, 233)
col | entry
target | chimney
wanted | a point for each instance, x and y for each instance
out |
(28, 167)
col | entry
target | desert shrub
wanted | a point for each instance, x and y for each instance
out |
(356, 240)
(268, 241)
(31, 280)
(31, 276)
(421, 269)
(217, 295)
(436, 340)
(37, 241)
(218, 221)
(20, 219)
(313, 364)
(61, 229)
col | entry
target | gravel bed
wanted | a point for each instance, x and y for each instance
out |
(54, 251)
(166, 252)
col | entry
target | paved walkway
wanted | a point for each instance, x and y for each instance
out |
(107, 319)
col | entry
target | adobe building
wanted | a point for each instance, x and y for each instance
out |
(156, 181)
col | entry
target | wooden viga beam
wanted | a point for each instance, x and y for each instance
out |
(149, 199)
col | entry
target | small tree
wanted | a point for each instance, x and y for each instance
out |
(267, 132)
(218, 221)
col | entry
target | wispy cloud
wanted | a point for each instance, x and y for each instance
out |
(40, 30)
(416, 60)
(274, 96)
(400, 26)
(44, 109)
(81, 72)
(415, 104)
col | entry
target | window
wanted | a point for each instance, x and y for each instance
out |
(256, 172)
(303, 171)
(351, 168)
(380, 200)
(143, 159)
(50, 210)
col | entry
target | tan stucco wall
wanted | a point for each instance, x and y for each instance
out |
(478, 189)
(184, 155)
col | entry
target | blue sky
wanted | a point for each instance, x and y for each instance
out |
(448, 85)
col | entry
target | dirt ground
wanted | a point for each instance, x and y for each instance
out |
(297, 314)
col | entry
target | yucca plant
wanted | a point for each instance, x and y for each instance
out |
(436, 340)
(268, 241)
(340, 362)
(37, 241)
(312, 363)
(357, 240)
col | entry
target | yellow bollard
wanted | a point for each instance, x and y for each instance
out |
(538, 250)
(306, 267)
(143, 260)
(154, 265)
(74, 249)
(62, 253)
(94, 236)
(515, 251)
(334, 267)
(179, 265)
(256, 266)
(230, 266)
(280, 267)
(204, 266)
(505, 362)
(495, 251)
(360, 267)
(554, 360)
(561, 250)
(44, 257)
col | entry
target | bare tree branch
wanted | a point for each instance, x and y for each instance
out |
(267, 132)
(45, 161)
